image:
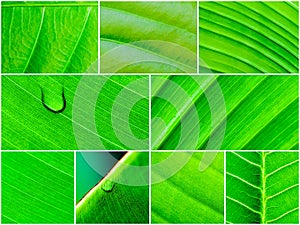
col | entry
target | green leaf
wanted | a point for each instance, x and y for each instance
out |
(191, 195)
(87, 164)
(87, 118)
(49, 37)
(225, 112)
(251, 37)
(148, 37)
(193, 179)
(262, 187)
(112, 200)
(37, 187)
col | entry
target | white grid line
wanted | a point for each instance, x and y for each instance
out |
(1, 111)
(150, 146)
(147, 74)
(164, 151)
(298, 109)
(153, 74)
(198, 38)
(224, 194)
(75, 190)
(98, 38)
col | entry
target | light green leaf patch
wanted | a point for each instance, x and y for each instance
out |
(49, 37)
(231, 112)
(37, 187)
(27, 123)
(151, 37)
(262, 187)
(249, 37)
(190, 195)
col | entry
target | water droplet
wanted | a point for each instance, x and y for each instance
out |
(107, 186)
(53, 98)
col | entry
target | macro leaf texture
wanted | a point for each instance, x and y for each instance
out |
(259, 112)
(249, 37)
(191, 195)
(111, 201)
(199, 191)
(91, 167)
(262, 187)
(49, 37)
(28, 124)
(145, 37)
(37, 187)
(247, 98)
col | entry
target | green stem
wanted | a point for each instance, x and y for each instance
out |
(263, 188)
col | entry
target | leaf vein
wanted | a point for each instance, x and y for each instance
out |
(281, 168)
(252, 163)
(282, 215)
(242, 204)
(36, 40)
(79, 37)
(244, 181)
(284, 190)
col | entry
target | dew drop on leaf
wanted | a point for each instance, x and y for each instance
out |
(53, 99)
(108, 186)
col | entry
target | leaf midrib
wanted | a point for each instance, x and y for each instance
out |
(263, 188)
(262, 212)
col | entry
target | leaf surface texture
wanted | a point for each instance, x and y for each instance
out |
(113, 202)
(49, 37)
(262, 187)
(37, 187)
(161, 36)
(191, 195)
(259, 112)
(27, 124)
(249, 37)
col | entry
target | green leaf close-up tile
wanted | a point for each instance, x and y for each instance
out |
(49, 37)
(37, 187)
(91, 167)
(120, 197)
(149, 112)
(74, 112)
(146, 37)
(188, 188)
(249, 37)
(225, 112)
(262, 187)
